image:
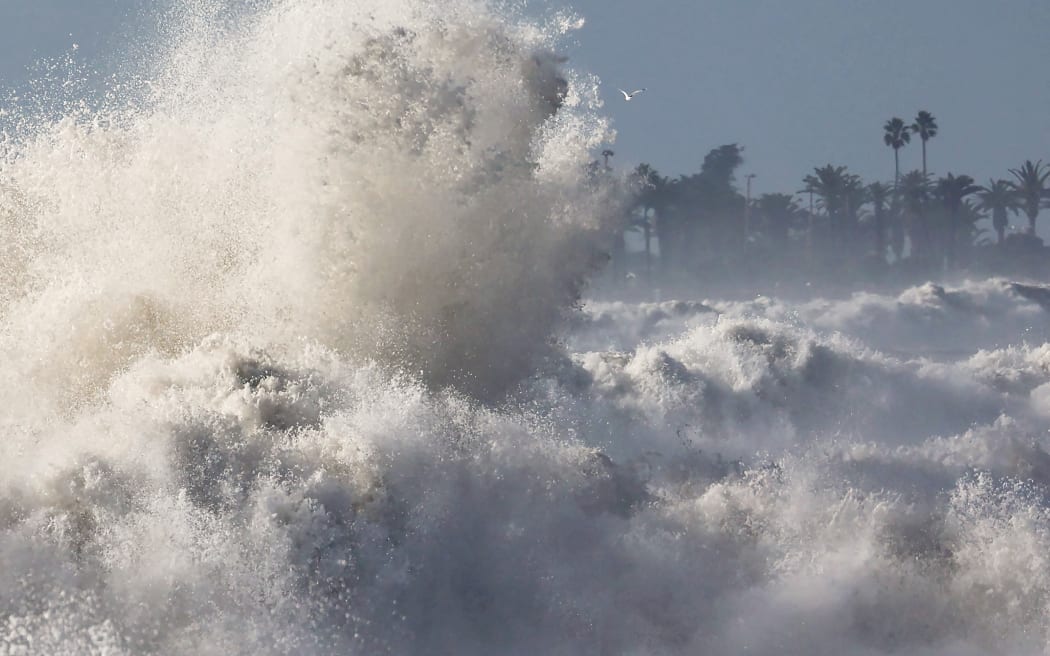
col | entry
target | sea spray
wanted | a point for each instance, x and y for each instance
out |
(403, 183)
(256, 317)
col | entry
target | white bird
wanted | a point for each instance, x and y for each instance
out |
(628, 96)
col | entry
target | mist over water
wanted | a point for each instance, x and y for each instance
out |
(291, 365)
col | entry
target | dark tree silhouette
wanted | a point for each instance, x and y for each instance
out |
(879, 196)
(779, 214)
(952, 190)
(896, 137)
(999, 199)
(914, 191)
(856, 197)
(651, 198)
(970, 235)
(705, 209)
(720, 164)
(898, 233)
(1030, 185)
(925, 223)
(925, 126)
(840, 195)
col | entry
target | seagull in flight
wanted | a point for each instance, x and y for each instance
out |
(628, 96)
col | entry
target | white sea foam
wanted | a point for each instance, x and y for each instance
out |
(280, 376)
(397, 181)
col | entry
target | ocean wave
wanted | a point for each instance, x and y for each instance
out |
(291, 365)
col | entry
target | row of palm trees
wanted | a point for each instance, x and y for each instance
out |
(1026, 192)
(920, 218)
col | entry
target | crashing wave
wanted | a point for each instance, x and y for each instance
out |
(258, 320)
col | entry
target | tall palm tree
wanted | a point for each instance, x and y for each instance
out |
(896, 136)
(1000, 199)
(651, 195)
(925, 126)
(606, 154)
(879, 196)
(1031, 188)
(952, 190)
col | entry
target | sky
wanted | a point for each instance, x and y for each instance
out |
(31, 30)
(799, 83)
(803, 83)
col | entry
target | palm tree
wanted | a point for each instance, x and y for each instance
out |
(606, 154)
(1031, 189)
(856, 195)
(840, 193)
(879, 196)
(952, 191)
(914, 194)
(828, 182)
(925, 126)
(969, 215)
(896, 137)
(651, 196)
(779, 214)
(1000, 199)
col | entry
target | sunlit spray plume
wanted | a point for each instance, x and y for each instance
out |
(401, 182)
(230, 284)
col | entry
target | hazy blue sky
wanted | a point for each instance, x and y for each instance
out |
(31, 29)
(799, 83)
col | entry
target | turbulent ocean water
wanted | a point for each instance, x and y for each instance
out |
(294, 363)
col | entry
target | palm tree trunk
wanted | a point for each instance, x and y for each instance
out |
(648, 253)
(999, 222)
(897, 233)
(949, 254)
(896, 168)
(924, 159)
(809, 231)
(880, 236)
